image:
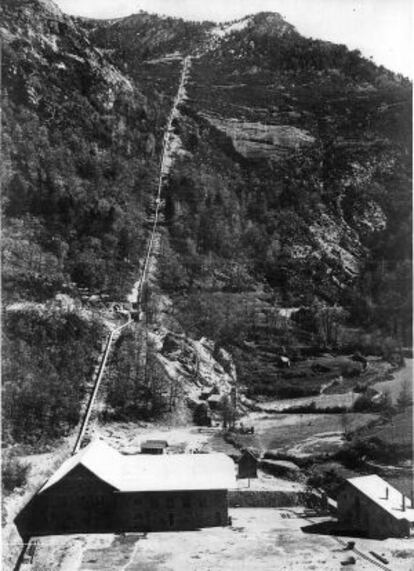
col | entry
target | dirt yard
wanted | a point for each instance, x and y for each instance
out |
(128, 437)
(259, 539)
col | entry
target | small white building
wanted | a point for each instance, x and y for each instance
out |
(370, 505)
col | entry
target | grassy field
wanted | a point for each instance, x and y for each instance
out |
(403, 379)
(259, 539)
(399, 430)
(302, 434)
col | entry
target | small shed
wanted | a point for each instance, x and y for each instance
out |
(370, 505)
(154, 447)
(248, 465)
(214, 402)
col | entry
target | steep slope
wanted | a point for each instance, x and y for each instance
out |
(79, 165)
(315, 137)
(293, 187)
(290, 185)
(146, 36)
(80, 146)
(322, 132)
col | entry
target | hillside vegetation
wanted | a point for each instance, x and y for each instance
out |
(291, 188)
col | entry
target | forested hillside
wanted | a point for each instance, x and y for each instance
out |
(291, 187)
(79, 164)
(79, 158)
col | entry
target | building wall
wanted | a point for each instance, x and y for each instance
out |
(160, 511)
(149, 450)
(247, 467)
(79, 503)
(361, 513)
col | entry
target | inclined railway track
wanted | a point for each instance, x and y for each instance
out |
(164, 170)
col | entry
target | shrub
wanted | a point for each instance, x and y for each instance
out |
(330, 480)
(14, 473)
(363, 403)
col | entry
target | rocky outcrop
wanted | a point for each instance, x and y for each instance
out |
(49, 38)
(193, 363)
(338, 241)
(256, 140)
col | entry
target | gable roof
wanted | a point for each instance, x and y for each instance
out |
(177, 472)
(247, 453)
(374, 488)
(145, 472)
(97, 457)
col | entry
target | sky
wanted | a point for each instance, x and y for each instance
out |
(381, 29)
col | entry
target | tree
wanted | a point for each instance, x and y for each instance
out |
(328, 320)
(13, 473)
(228, 412)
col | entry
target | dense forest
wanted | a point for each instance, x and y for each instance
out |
(47, 362)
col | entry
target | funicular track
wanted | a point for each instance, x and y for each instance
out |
(166, 160)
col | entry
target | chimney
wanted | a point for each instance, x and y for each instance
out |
(403, 503)
(386, 493)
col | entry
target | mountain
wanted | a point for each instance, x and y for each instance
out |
(292, 187)
(287, 218)
(298, 155)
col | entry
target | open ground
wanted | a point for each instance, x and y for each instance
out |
(259, 539)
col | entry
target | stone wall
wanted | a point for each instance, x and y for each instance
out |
(264, 499)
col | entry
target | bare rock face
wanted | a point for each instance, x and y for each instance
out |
(51, 7)
(256, 140)
(337, 240)
(371, 220)
(193, 364)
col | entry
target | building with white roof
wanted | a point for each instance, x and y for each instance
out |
(370, 505)
(99, 489)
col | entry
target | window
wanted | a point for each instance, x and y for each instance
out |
(154, 502)
(170, 502)
(137, 501)
(187, 502)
